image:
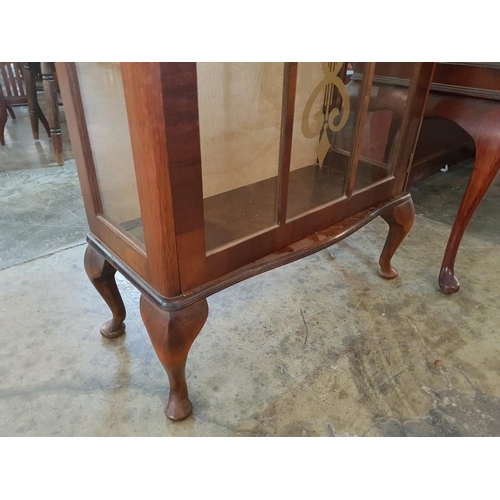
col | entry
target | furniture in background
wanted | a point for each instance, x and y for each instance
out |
(50, 90)
(19, 83)
(463, 116)
(196, 176)
(30, 71)
(11, 76)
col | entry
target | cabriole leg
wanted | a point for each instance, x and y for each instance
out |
(172, 333)
(102, 275)
(400, 220)
(486, 167)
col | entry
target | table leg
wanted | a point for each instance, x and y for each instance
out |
(486, 167)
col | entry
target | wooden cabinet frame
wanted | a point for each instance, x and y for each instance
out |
(173, 269)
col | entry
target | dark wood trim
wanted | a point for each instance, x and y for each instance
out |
(122, 245)
(481, 80)
(405, 121)
(466, 91)
(302, 248)
(145, 104)
(180, 108)
(417, 99)
(288, 111)
(468, 79)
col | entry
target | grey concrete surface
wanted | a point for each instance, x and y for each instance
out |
(41, 206)
(321, 347)
(381, 358)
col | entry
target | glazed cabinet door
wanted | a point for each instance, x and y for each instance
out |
(98, 122)
(262, 155)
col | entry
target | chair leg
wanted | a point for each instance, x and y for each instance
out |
(50, 91)
(400, 220)
(10, 109)
(29, 79)
(486, 167)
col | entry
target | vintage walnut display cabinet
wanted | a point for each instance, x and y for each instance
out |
(198, 175)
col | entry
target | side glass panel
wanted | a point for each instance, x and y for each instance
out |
(240, 107)
(381, 133)
(103, 99)
(326, 101)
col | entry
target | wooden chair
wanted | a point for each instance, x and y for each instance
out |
(19, 84)
(14, 93)
(11, 74)
(19, 80)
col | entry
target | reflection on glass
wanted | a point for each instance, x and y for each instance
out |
(383, 123)
(322, 138)
(240, 107)
(103, 101)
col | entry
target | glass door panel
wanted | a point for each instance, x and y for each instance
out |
(103, 100)
(240, 108)
(381, 134)
(326, 103)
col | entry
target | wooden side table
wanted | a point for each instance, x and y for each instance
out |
(480, 118)
(468, 94)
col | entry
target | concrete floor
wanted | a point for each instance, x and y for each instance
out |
(372, 358)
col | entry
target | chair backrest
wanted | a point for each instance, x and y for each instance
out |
(12, 81)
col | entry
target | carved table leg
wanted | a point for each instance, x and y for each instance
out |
(400, 220)
(172, 334)
(102, 275)
(486, 167)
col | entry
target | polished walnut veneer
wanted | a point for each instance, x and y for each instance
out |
(196, 176)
